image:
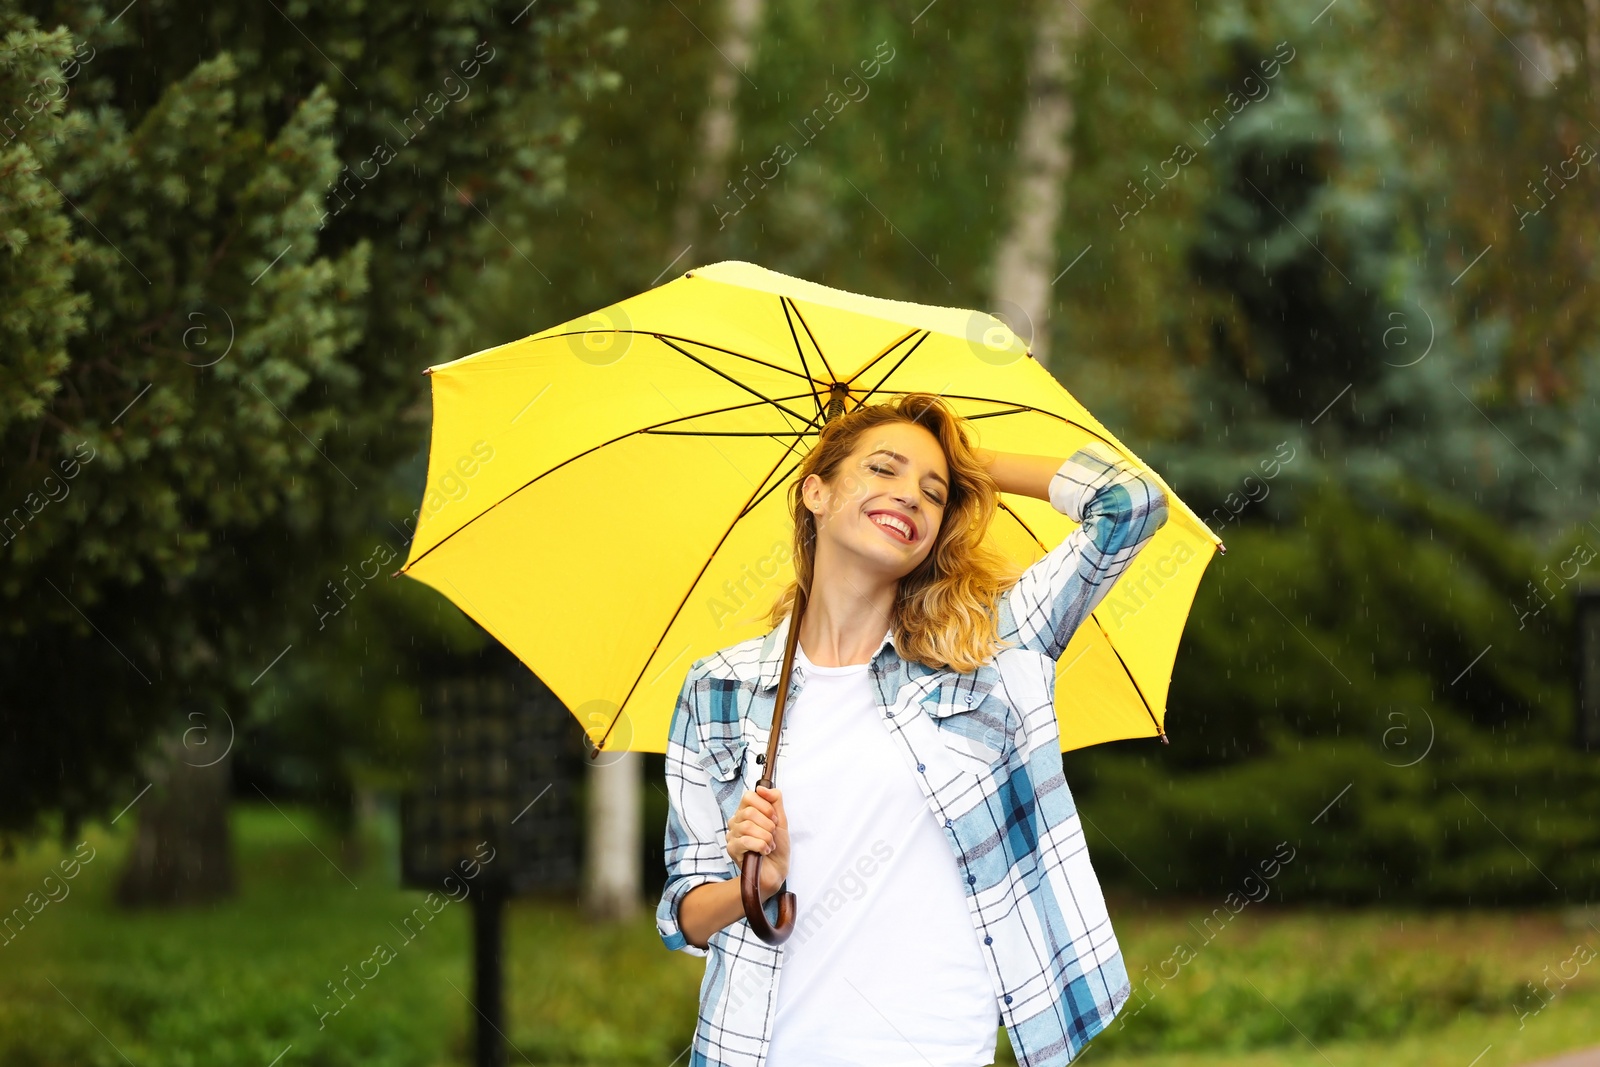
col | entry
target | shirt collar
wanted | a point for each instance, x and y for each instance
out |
(772, 651)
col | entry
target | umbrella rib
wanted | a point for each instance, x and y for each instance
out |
(904, 356)
(640, 333)
(1022, 408)
(832, 374)
(1016, 410)
(723, 433)
(789, 450)
(728, 352)
(885, 353)
(800, 351)
(1131, 679)
(992, 414)
(799, 434)
(1109, 643)
(805, 431)
(732, 379)
(908, 336)
(763, 402)
(762, 495)
(604, 444)
(1009, 510)
(768, 491)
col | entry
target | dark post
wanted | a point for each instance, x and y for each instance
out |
(488, 906)
(491, 808)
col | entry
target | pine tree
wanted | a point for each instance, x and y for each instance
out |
(229, 294)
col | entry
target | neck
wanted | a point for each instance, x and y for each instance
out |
(847, 612)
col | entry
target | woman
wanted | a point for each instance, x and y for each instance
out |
(923, 821)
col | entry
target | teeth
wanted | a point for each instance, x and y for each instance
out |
(891, 521)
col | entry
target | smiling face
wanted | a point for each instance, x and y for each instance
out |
(887, 499)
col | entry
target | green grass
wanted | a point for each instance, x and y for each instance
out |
(1300, 986)
(86, 984)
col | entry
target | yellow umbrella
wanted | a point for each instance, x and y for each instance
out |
(606, 497)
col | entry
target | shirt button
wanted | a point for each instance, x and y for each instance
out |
(920, 767)
(947, 822)
(969, 699)
(972, 879)
(1008, 998)
(987, 940)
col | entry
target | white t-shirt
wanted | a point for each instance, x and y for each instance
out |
(883, 966)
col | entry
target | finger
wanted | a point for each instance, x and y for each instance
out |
(755, 801)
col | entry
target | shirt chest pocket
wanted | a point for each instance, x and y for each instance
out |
(973, 720)
(723, 757)
(726, 762)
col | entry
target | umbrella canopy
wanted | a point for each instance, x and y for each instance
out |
(607, 497)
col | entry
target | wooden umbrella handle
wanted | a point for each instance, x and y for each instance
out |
(750, 893)
(750, 868)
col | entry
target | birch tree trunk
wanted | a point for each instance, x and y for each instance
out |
(719, 122)
(615, 848)
(1026, 262)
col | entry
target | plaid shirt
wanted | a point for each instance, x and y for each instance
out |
(985, 749)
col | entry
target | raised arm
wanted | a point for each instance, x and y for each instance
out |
(1118, 508)
(1020, 474)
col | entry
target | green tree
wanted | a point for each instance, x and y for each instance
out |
(256, 285)
(1387, 504)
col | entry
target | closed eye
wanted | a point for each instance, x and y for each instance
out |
(935, 497)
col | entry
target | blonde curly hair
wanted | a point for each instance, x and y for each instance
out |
(945, 614)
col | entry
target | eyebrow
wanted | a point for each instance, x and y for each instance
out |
(902, 459)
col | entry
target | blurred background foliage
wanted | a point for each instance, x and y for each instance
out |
(1329, 268)
(1365, 267)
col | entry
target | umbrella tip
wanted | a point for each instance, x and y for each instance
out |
(1164, 740)
(1222, 549)
(427, 370)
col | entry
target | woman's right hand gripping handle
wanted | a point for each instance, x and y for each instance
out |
(760, 826)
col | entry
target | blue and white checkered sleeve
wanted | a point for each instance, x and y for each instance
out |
(1118, 509)
(696, 837)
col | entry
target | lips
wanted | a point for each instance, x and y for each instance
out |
(898, 525)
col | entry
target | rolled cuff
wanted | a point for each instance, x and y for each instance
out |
(667, 911)
(672, 897)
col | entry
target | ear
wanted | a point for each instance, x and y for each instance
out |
(811, 492)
